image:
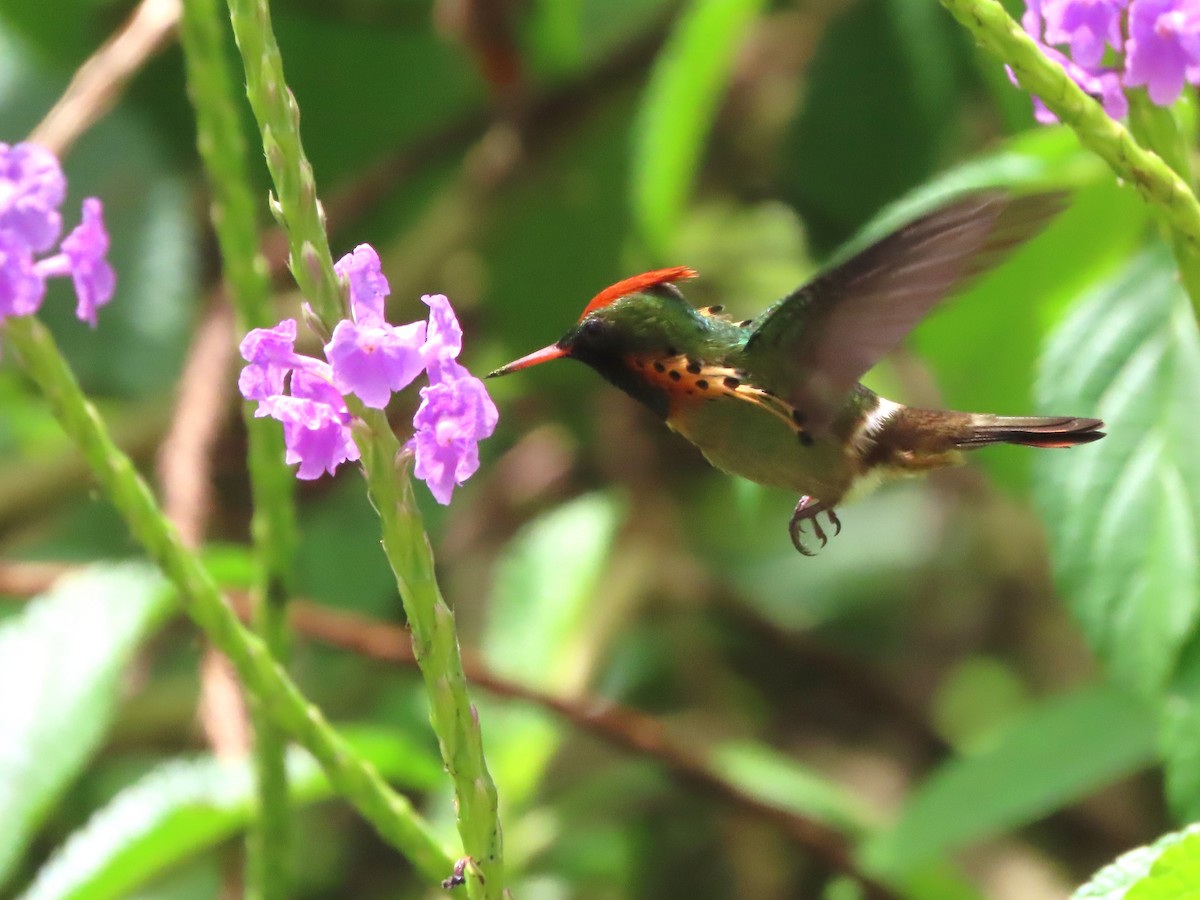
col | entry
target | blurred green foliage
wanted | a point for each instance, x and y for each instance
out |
(595, 557)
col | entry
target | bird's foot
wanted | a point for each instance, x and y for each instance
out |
(806, 510)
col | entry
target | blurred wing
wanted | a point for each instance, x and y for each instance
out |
(828, 333)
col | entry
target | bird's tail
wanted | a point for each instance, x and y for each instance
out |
(1030, 431)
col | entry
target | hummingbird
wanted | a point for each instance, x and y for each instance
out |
(777, 399)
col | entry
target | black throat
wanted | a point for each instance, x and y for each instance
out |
(614, 368)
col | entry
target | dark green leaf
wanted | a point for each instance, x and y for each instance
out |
(781, 781)
(875, 114)
(541, 624)
(396, 79)
(338, 559)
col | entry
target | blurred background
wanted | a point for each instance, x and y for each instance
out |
(674, 702)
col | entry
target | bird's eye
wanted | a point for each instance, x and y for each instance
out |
(592, 328)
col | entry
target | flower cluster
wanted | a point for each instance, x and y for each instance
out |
(32, 188)
(1148, 43)
(371, 359)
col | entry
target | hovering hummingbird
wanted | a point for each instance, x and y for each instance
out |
(776, 398)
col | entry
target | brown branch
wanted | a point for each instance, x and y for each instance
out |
(221, 708)
(487, 30)
(102, 78)
(185, 481)
(621, 727)
(204, 397)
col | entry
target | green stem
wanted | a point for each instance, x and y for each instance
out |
(435, 645)
(1155, 126)
(391, 814)
(1157, 182)
(222, 148)
(453, 718)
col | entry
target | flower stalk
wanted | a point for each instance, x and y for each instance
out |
(222, 149)
(295, 204)
(436, 644)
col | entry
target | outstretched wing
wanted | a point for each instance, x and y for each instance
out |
(828, 333)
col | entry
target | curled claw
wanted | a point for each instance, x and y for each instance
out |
(794, 529)
(807, 510)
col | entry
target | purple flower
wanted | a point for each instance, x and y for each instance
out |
(316, 423)
(368, 285)
(316, 434)
(1163, 50)
(455, 414)
(21, 288)
(372, 363)
(370, 358)
(1161, 53)
(82, 257)
(31, 190)
(1087, 26)
(270, 354)
(445, 334)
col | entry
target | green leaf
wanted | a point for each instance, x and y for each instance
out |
(186, 806)
(1175, 874)
(1124, 514)
(62, 659)
(544, 586)
(687, 83)
(1059, 751)
(1168, 869)
(540, 624)
(780, 781)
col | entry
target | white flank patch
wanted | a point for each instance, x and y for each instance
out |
(874, 421)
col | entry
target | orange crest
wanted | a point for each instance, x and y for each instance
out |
(637, 283)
